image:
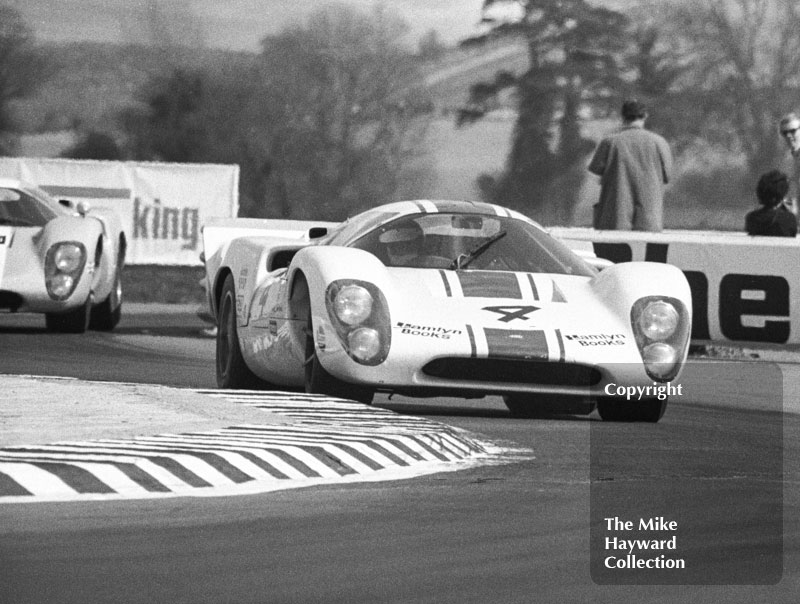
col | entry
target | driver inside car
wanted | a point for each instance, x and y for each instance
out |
(403, 244)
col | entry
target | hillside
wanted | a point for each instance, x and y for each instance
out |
(92, 82)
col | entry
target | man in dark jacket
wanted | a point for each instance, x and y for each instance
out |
(773, 218)
(633, 165)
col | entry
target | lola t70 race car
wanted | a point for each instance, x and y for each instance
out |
(426, 298)
(60, 259)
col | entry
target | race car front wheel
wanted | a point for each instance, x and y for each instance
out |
(319, 381)
(232, 371)
(72, 321)
(647, 410)
(107, 314)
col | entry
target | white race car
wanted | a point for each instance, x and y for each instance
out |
(428, 298)
(60, 259)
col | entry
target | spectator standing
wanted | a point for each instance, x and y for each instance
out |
(633, 164)
(789, 128)
(773, 218)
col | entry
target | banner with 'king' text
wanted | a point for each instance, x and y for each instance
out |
(162, 206)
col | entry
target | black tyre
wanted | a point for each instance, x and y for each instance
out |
(319, 381)
(73, 321)
(106, 315)
(648, 410)
(232, 371)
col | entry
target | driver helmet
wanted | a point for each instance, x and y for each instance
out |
(403, 242)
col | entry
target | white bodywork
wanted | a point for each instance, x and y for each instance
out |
(23, 250)
(435, 313)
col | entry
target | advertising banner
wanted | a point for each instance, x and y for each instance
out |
(162, 206)
(744, 288)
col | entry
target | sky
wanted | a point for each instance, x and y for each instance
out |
(233, 24)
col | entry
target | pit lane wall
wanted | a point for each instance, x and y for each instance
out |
(744, 289)
(162, 206)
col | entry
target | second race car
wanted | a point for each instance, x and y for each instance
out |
(60, 259)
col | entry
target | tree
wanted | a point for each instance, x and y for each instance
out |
(574, 49)
(339, 112)
(94, 145)
(170, 126)
(741, 69)
(22, 68)
(320, 122)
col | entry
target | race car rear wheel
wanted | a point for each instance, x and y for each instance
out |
(319, 381)
(232, 371)
(615, 410)
(73, 321)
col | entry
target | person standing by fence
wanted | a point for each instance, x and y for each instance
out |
(634, 165)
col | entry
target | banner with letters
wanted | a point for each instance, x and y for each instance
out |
(162, 206)
(744, 288)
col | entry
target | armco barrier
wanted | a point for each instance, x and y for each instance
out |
(744, 289)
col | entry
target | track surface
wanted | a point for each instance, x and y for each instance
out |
(514, 532)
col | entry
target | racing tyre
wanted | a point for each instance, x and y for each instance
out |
(319, 381)
(232, 372)
(647, 410)
(73, 321)
(106, 315)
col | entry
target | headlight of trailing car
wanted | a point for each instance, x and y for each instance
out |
(63, 267)
(661, 328)
(360, 315)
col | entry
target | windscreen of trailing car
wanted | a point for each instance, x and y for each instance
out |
(440, 238)
(19, 208)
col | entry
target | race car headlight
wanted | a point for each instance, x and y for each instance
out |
(61, 285)
(63, 267)
(661, 327)
(68, 257)
(658, 320)
(364, 344)
(352, 304)
(360, 315)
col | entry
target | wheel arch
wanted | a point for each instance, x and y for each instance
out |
(219, 283)
(299, 306)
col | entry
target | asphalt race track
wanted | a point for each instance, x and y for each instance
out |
(722, 466)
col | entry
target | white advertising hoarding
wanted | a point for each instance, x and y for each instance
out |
(744, 289)
(162, 205)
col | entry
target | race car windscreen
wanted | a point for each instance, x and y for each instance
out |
(17, 208)
(470, 242)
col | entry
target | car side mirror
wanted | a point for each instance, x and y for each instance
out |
(317, 232)
(81, 207)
